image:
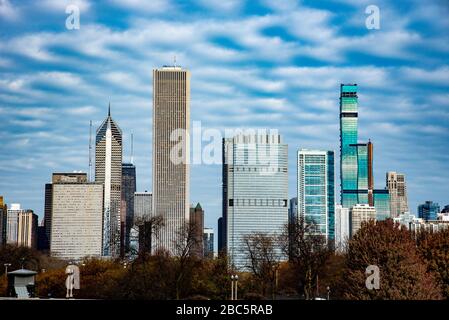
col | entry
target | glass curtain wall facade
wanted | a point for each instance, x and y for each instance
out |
(256, 187)
(316, 190)
(382, 204)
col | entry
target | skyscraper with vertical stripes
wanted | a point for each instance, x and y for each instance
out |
(108, 171)
(171, 151)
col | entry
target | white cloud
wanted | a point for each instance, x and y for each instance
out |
(8, 11)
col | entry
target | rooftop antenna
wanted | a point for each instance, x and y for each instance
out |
(132, 149)
(109, 109)
(174, 60)
(90, 151)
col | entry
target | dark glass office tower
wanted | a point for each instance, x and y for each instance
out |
(128, 190)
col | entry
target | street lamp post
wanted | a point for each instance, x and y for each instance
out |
(328, 292)
(6, 269)
(234, 288)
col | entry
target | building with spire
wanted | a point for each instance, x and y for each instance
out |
(108, 171)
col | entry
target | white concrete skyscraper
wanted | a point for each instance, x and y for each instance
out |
(108, 171)
(171, 151)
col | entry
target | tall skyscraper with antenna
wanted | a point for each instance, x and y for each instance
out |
(108, 170)
(171, 118)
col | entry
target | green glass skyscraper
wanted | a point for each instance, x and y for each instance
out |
(355, 158)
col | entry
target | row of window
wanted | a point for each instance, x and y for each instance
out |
(258, 202)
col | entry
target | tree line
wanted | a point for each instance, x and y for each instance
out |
(297, 264)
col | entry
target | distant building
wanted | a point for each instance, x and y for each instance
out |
(58, 177)
(445, 209)
(221, 244)
(359, 214)
(108, 171)
(197, 220)
(381, 201)
(398, 193)
(77, 219)
(140, 234)
(142, 206)
(293, 209)
(128, 190)
(405, 218)
(12, 223)
(42, 240)
(342, 227)
(255, 190)
(171, 114)
(3, 221)
(316, 191)
(429, 210)
(430, 226)
(208, 240)
(27, 229)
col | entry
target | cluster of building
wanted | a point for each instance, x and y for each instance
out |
(103, 215)
(258, 202)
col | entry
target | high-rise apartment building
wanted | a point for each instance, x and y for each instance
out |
(27, 229)
(316, 191)
(342, 227)
(108, 171)
(196, 219)
(398, 193)
(171, 152)
(360, 213)
(255, 188)
(428, 210)
(208, 240)
(128, 190)
(77, 218)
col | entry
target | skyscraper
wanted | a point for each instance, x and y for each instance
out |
(342, 227)
(256, 187)
(143, 203)
(359, 214)
(3, 221)
(27, 229)
(208, 241)
(356, 159)
(428, 210)
(381, 201)
(196, 219)
(108, 171)
(171, 152)
(77, 217)
(316, 190)
(293, 210)
(128, 190)
(12, 223)
(398, 193)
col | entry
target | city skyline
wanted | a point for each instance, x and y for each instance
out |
(408, 131)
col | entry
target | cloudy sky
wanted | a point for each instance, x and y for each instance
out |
(263, 64)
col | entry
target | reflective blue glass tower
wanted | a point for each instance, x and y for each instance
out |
(428, 210)
(316, 190)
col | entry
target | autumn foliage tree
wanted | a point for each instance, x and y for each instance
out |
(403, 274)
(434, 249)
